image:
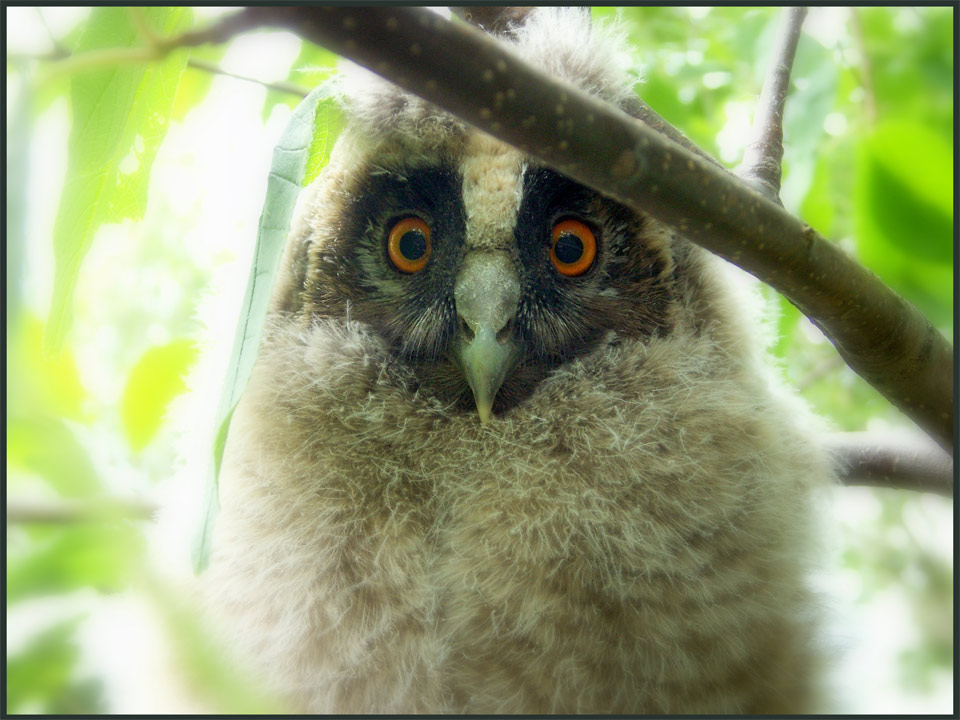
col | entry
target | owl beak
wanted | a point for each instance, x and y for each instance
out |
(487, 294)
(485, 362)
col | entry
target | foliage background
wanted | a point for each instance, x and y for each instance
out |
(158, 210)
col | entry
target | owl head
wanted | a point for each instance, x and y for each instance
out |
(480, 269)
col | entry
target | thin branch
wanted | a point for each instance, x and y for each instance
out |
(59, 49)
(166, 45)
(93, 59)
(62, 511)
(280, 86)
(761, 166)
(157, 47)
(147, 34)
(882, 337)
(218, 32)
(891, 460)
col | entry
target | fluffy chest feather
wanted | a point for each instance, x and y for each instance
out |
(595, 534)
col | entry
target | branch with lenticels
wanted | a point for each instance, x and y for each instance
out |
(649, 166)
(468, 73)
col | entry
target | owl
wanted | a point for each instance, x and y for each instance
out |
(510, 446)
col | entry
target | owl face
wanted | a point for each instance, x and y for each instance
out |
(483, 271)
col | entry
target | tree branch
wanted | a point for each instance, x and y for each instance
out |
(892, 460)
(882, 337)
(492, 19)
(280, 86)
(156, 48)
(62, 511)
(497, 20)
(761, 166)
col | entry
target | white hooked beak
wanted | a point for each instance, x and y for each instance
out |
(486, 294)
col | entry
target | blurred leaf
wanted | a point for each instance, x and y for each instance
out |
(56, 85)
(195, 82)
(290, 158)
(312, 66)
(99, 555)
(154, 381)
(43, 676)
(812, 97)
(276, 97)
(904, 190)
(818, 207)
(903, 195)
(120, 114)
(911, 58)
(44, 445)
(42, 383)
(787, 321)
(17, 179)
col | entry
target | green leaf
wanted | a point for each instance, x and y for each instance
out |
(195, 82)
(98, 554)
(283, 187)
(277, 97)
(47, 383)
(155, 380)
(903, 219)
(313, 65)
(120, 115)
(328, 122)
(43, 676)
(905, 189)
(47, 392)
(45, 446)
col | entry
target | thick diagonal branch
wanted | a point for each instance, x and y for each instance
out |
(882, 337)
(761, 166)
(497, 20)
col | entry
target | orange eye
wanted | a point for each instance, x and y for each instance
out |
(574, 247)
(408, 245)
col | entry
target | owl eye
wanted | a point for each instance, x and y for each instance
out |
(408, 244)
(574, 248)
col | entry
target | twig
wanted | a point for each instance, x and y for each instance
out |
(891, 460)
(93, 59)
(67, 511)
(882, 337)
(218, 32)
(157, 49)
(164, 46)
(761, 166)
(279, 86)
(139, 18)
(59, 49)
